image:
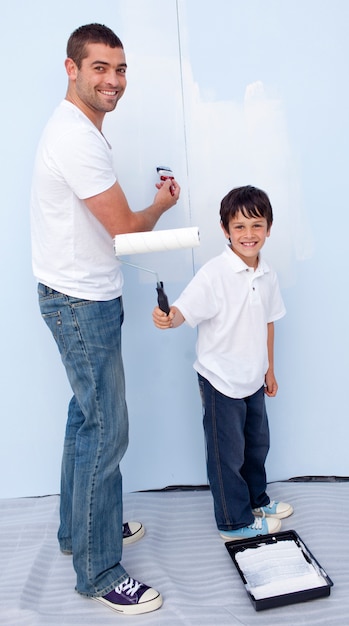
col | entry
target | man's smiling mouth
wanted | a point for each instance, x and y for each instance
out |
(108, 93)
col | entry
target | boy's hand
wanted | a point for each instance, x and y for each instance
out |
(161, 320)
(172, 320)
(271, 385)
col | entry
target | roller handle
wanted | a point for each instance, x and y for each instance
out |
(162, 298)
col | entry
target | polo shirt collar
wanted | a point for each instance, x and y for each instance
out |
(238, 265)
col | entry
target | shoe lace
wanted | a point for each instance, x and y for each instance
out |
(257, 524)
(266, 506)
(128, 586)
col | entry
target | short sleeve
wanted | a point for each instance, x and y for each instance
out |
(84, 160)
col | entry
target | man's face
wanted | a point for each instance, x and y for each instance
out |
(101, 80)
(247, 236)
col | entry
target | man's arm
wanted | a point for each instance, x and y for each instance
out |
(112, 209)
(271, 385)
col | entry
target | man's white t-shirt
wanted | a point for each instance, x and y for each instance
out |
(232, 304)
(71, 251)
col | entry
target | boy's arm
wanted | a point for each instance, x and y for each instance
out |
(172, 320)
(271, 385)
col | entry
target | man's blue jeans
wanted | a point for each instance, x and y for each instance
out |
(88, 335)
(237, 440)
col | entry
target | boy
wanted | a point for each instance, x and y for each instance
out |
(234, 300)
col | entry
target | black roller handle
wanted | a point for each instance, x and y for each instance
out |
(162, 298)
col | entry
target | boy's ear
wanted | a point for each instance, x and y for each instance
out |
(226, 234)
(268, 231)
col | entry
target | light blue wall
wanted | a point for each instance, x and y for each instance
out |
(227, 93)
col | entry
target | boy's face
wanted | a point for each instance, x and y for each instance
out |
(247, 236)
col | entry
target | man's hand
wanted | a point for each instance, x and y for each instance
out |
(164, 186)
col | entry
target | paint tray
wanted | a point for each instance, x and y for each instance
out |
(278, 569)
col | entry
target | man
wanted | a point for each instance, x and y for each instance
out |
(77, 207)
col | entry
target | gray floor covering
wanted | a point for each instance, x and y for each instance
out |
(181, 554)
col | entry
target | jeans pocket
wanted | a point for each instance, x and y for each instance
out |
(54, 322)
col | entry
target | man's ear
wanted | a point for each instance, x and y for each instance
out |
(71, 69)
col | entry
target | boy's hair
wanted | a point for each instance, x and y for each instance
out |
(252, 202)
(90, 33)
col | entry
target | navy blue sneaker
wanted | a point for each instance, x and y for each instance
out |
(132, 598)
(131, 532)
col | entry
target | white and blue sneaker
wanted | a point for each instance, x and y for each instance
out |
(260, 526)
(278, 510)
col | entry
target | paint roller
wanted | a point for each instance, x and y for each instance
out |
(156, 241)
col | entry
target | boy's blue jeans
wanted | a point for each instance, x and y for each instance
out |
(237, 440)
(88, 335)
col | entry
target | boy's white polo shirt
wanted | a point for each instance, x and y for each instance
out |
(232, 304)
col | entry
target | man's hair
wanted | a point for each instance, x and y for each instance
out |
(252, 202)
(90, 33)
